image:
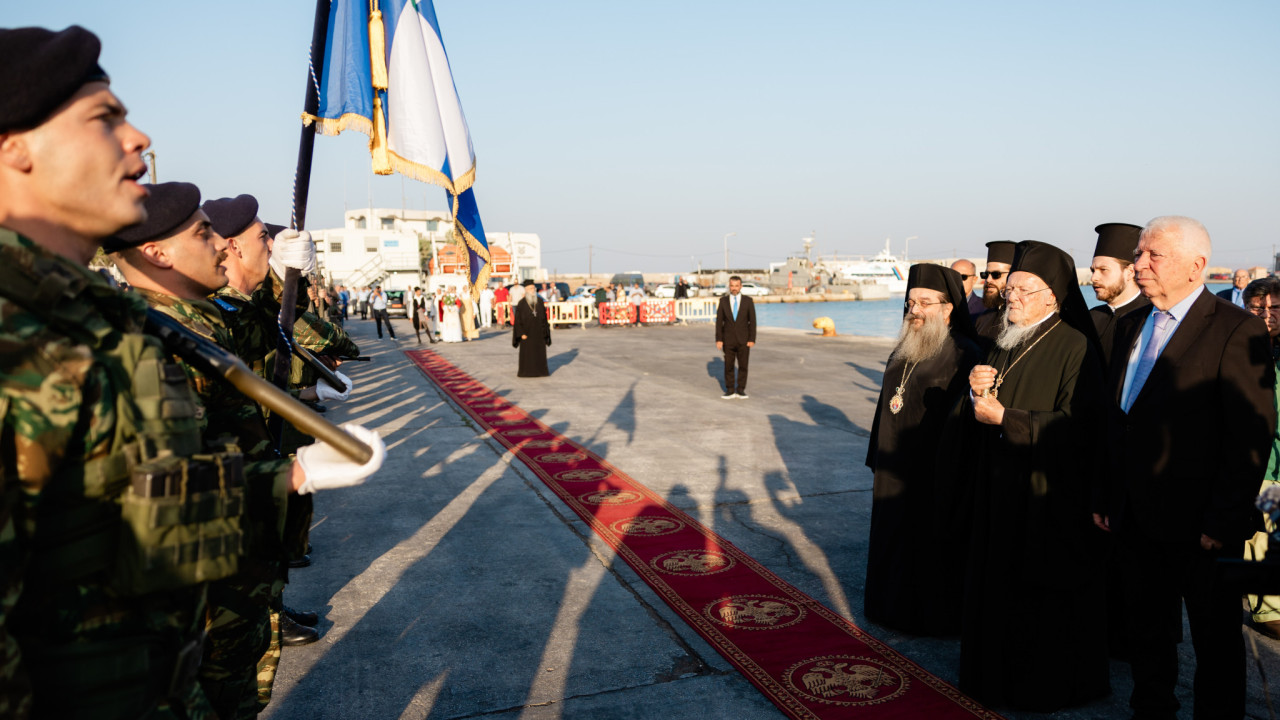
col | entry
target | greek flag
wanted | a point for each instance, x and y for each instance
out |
(385, 73)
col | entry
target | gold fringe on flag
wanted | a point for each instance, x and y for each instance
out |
(461, 232)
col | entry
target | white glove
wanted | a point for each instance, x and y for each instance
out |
(325, 391)
(293, 249)
(326, 468)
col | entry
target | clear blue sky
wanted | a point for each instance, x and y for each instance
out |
(652, 129)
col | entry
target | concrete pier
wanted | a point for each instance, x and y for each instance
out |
(455, 585)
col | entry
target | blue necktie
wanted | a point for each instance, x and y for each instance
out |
(1148, 359)
(735, 307)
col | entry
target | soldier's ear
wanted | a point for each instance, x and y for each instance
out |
(15, 151)
(156, 254)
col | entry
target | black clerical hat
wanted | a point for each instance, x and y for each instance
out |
(948, 282)
(1001, 251)
(41, 69)
(1117, 240)
(527, 283)
(169, 206)
(231, 216)
(274, 229)
(1056, 268)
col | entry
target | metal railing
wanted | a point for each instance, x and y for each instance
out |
(697, 309)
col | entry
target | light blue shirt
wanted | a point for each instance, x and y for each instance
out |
(1176, 313)
(1237, 297)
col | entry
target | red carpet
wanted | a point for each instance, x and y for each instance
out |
(808, 660)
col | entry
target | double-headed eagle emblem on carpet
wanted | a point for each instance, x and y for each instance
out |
(754, 612)
(846, 680)
(692, 563)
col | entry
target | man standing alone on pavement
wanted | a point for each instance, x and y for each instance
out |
(735, 335)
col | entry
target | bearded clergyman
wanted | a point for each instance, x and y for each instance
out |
(1112, 277)
(927, 374)
(994, 277)
(1033, 632)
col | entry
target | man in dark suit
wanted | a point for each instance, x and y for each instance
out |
(1193, 379)
(1235, 293)
(969, 276)
(735, 335)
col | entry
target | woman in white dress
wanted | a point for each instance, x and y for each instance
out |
(452, 330)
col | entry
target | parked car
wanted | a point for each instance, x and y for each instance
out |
(719, 289)
(626, 280)
(754, 289)
(563, 290)
(395, 304)
(668, 290)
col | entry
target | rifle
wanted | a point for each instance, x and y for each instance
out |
(210, 359)
(319, 367)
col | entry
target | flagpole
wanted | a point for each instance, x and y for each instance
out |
(301, 186)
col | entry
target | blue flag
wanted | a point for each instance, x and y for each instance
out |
(385, 73)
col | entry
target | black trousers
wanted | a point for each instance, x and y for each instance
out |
(738, 354)
(379, 317)
(1159, 577)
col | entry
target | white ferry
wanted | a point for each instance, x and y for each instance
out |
(883, 269)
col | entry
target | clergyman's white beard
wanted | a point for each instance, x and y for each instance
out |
(1012, 335)
(922, 343)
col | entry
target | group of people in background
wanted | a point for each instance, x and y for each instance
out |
(1053, 483)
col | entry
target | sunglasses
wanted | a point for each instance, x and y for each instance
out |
(966, 277)
(994, 274)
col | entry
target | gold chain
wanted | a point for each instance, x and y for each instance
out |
(994, 390)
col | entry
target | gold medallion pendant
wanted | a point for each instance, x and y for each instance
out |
(895, 402)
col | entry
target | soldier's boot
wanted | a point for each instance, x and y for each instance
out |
(293, 634)
(302, 617)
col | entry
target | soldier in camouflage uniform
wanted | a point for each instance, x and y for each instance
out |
(96, 621)
(252, 297)
(173, 261)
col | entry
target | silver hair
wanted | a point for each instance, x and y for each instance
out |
(1193, 236)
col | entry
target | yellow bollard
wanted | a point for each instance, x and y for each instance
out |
(826, 325)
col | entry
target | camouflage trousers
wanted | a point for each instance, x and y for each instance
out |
(239, 633)
(267, 666)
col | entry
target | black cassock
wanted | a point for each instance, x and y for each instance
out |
(1034, 627)
(532, 322)
(1104, 321)
(913, 573)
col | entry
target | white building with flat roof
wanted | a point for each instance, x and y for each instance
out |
(381, 246)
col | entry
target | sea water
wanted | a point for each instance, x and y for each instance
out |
(875, 318)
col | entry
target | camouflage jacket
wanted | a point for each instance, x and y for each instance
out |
(255, 330)
(61, 403)
(229, 415)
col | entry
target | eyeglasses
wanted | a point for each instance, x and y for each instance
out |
(965, 277)
(994, 274)
(923, 304)
(1261, 310)
(1010, 292)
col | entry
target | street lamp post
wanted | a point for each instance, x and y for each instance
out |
(726, 249)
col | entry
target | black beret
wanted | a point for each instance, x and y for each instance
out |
(41, 69)
(1117, 240)
(231, 216)
(1000, 251)
(169, 206)
(274, 229)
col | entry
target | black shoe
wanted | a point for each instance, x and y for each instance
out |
(292, 634)
(304, 561)
(302, 617)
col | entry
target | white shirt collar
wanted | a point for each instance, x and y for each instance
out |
(1124, 301)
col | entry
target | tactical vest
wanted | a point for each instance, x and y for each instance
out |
(157, 513)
